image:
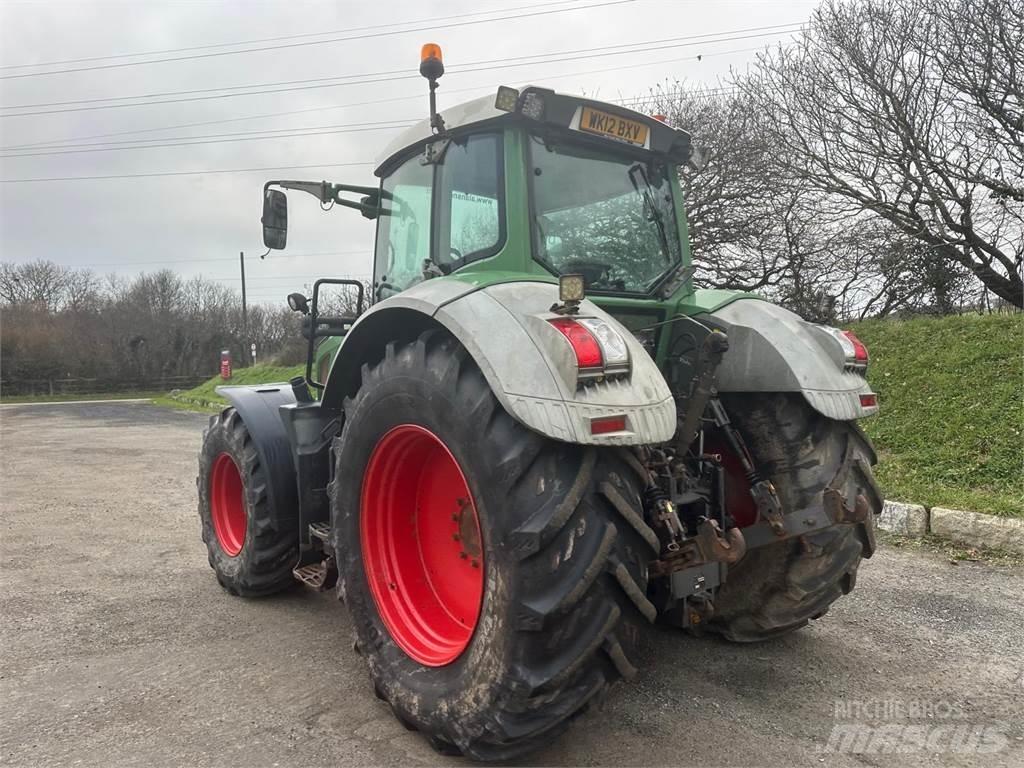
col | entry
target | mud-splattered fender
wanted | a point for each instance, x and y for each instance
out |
(526, 361)
(773, 350)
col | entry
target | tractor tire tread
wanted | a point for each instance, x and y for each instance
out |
(576, 583)
(264, 567)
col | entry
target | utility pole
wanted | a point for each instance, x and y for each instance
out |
(245, 311)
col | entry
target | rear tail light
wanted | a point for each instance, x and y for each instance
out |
(584, 344)
(855, 354)
(860, 352)
(868, 401)
(600, 350)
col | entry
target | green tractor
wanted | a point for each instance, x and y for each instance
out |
(539, 438)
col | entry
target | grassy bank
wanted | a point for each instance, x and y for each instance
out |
(951, 429)
(205, 398)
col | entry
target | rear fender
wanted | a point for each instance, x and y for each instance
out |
(773, 350)
(526, 361)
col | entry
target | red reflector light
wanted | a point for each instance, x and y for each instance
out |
(868, 401)
(606, 424)
(860, 352)
(584, 343)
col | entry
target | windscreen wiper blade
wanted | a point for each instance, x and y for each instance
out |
(648, 197)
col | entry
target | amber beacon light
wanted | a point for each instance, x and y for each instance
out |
(431, 61)
(432, 67)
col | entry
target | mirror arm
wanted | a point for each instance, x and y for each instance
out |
(327, 192)
(321, 190)
(368, 211)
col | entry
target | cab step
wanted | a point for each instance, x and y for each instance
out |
(319, 576)
(320, 531)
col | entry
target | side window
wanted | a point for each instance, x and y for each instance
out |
(403, 229)
(471, 210)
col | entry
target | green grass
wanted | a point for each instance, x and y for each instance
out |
(205, 398)
(11, 400)
(950, 432)
(951, 428)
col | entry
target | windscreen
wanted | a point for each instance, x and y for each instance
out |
(608, 217)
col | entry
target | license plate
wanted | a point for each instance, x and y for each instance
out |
(613, 126)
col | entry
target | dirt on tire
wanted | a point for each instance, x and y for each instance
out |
(264, 564)
(566, 551)
(779, 588)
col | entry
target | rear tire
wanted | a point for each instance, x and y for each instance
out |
(565, 554)
(779, 588)
(251, 546)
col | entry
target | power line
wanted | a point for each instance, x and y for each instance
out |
(299, 167)
(393, 125)
(181, 173)
(70, 142)
(222, 135)
(232, 259)
(429, 28)
(399, 74)
(264, 288)
(502, 65)
(281, 37)
(57, 143)
(281, 133)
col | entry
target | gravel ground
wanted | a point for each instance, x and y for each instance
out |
(119, 648)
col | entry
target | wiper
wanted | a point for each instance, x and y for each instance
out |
(648, 197)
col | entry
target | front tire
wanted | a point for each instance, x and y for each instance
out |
(562, 572)
(251, 546)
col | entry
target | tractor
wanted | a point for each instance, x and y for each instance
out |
(534, 437)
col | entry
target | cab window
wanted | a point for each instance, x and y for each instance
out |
(403, 227)
(470, 220)
(467, 209)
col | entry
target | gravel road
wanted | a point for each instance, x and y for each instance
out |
(117, 646)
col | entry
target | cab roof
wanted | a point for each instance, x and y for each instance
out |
(483, 110)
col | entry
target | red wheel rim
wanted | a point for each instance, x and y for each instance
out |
(738, 501)
(227, 505)
(421, 545)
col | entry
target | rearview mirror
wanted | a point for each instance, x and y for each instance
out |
(275, 219)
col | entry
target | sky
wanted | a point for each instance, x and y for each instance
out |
(347, 96)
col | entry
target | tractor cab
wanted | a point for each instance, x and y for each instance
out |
(523, 185)
(535, 184)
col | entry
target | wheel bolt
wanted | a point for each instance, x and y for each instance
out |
(463, 555)
(475, 563)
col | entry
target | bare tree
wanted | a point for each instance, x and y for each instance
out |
(41, 283)
(57, 322)
(877, 104)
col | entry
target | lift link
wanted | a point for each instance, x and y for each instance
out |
(767, 500)
(715, 345)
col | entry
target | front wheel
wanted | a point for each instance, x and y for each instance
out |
(496, 579)
(251, 546)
